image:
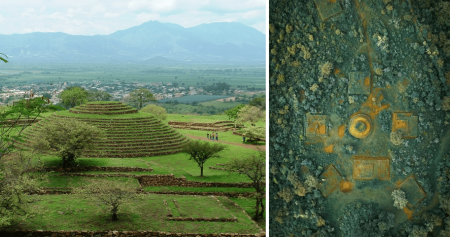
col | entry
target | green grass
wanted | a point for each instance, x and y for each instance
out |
(227, 136)
(197, 189)
(177, 164)
(97, 116)
(72, 212)
(196, 118)
(200, 207)
(103, 102)
(248, 204)
(70, 182)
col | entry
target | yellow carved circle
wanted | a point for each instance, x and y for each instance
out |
(360, 119)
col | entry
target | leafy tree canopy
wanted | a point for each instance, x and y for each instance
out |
(73, 96)
(141, 96)
(251, 114)
(201, 151)
(158, 111)
(67, 138)
(96, 95)
(233, 112)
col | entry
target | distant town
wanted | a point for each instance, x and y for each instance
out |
(118, 89)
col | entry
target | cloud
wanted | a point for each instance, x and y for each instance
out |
(91, 17)
(144, 17)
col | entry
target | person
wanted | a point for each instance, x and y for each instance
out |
(217, 137)
(243, 138)
(207, 136)
(212, 136)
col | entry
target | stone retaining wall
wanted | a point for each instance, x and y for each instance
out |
(258, 139)
(170, 180)
(82, 233)
(98, 168)
(53, 191)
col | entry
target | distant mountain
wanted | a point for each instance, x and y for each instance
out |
(219, 42)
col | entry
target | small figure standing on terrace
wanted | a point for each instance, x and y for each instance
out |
(243, 138)
(212, 138)
(207, 136)
(217, 136)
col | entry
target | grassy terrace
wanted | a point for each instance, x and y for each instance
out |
(149, 213)
(71, 212)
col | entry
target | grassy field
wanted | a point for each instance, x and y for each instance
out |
(149, 214)
(72, 212)
(241, 76)
(197, 189)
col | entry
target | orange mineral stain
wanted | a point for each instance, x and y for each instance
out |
(341, 130)
(367, 81)
(337, 71)
(345, 186)
(408, 213)
(332, 1)
(329, 149)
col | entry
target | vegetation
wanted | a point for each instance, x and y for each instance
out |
(200, 151)
(17, 177)
(109, 193)
(141, 96)
(254, 167)
(96, 95)
(233, 112)
(67, 138)
(158, 111)
(399, 197)
(73, 96)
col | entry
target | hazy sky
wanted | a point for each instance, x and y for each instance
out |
(92, 17)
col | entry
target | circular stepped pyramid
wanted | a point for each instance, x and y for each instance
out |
(132, 137)
(106, 108)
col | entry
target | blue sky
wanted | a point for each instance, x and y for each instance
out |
(100, 17)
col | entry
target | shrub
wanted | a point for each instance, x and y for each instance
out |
(399, 197)
(158, 111)
(396, 138)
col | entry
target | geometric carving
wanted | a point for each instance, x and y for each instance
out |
(327, 8)
(359, 83)
(406, 123)
(330, 180)
(360, 126)
(367, 168)
(316, 126)
(414, 193)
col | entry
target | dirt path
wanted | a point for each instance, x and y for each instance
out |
(254, 147)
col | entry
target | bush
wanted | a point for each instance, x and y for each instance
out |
(396, 138)
(399, 197)
(158, 111)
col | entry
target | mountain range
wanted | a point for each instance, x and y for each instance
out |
(153, 41)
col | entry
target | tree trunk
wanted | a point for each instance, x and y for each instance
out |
(201, 171)
(262, 209)
(114, 217)
(257, 209)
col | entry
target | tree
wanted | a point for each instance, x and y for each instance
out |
(399, 197)
(73, 96)
(258, 102)
(110, 193)
(254, 132)
(158, 111)
(47, 95)
(68, 138)
(22, 113)
(3, 59)
(96, 95)
(251, 114)
(254, 167)
(200, 151)
(396, 138)
(141, 96)
(233, 112)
